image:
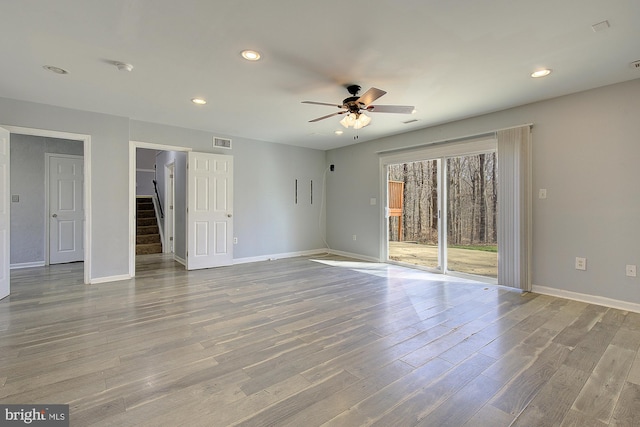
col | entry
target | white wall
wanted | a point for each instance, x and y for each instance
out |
(586, 153)
(28, 215)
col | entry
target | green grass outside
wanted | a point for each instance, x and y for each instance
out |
(484, 248)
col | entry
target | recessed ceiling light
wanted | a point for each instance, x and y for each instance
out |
(199, 101)
(56, 70)
(250, 55)
(338, 132)
(541, 73)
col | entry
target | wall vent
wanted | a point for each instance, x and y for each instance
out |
(221, 142)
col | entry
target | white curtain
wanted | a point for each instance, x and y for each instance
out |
(514, 204)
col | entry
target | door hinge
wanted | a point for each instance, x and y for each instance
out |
(171, 239)
(171, 176)
(171, 207)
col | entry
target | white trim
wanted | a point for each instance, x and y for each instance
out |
(590, 299)
(107, 279)
(146, 170)
(483, 144)
(133, 145)
(354, 255)
(283, 255)
(20, 265)
(86, 154)
(169, 223)
(180, 260)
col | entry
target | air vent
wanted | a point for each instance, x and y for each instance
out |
(636, 65)
(410, 121)
(222, 143)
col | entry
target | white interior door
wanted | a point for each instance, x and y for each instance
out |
(66, 209)
(4, 213)
(209, 210)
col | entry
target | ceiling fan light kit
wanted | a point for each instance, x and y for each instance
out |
(355, 120)
(354, 107)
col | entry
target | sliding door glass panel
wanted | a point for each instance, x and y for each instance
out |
(472, 198)
(413, 213)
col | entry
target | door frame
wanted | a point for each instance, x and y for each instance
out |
(169, 217)
(482, 144)
(133, 145)
(86, 140)
(47, 199)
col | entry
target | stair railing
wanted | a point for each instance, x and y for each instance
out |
(155, 187)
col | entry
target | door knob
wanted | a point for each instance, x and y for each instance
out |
(55, 215)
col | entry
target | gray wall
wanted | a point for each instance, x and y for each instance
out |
(586, 149)
(266, 219)
(145, 171)
(28, 216)
(109, 163)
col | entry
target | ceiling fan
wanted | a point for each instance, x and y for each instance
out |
(355, 106)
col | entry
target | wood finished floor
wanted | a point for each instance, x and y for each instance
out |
(304, 343)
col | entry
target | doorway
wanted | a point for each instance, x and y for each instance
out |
(202, 200)
(442, 210)
(8, 134)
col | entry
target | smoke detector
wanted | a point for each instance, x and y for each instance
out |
(122, 66)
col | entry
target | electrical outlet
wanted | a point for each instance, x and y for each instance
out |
(235, 240)
(542, 193)
(581, 263)
(354, 237)
(631, 270)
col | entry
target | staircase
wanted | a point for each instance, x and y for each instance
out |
(147, 233)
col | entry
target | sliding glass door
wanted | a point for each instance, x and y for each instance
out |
(442, 213)
(414, 213)
(472, 201)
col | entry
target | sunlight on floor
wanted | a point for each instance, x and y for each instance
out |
(393, 271)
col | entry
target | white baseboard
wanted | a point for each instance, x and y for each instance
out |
(355, 256)
(273, 257)
(26, 265)
(179, 260)
(97, 280)
(591, 299)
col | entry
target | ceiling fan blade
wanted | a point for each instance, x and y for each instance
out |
(400, 109)
(371, 95)
(327, 116)
(321, 103)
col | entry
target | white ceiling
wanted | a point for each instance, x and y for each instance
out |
(451, 59)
